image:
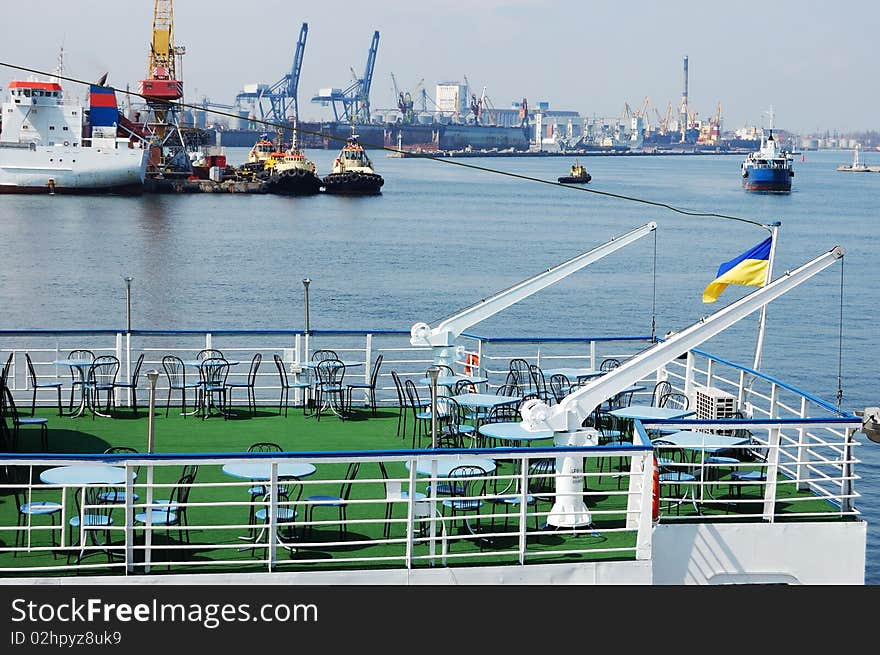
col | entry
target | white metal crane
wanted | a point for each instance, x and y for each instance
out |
(567, 417)
(442, 338)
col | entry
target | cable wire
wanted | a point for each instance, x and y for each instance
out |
(442, 160)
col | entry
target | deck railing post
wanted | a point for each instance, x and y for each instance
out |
(523, 506)
(643, 470)
(273, 514)
(803, 451)
(129, 518)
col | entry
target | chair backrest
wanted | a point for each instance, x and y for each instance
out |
(521, 376)
(7, 406)
(175, 371)
(180, 494)
(609, 364)
(104, 370)
(282, 372)
(330, 372)
(662, 387)
(502, 414)
(412, 395)
(623, 399)
(374, 374)
(189, 469)
(451, 412)
(123, 450)
(137, 370)
(324, 353)
(207, 353)
(401, 394)
(444, 370)
(76, 373)
(350, 474)
(539, 382)
(508, 390)
(541, 472)
(465, 481)
(255, 365)
(464, 386)
(674, 400)
(32, 373)
(264, 447)
(6, 368)
(560, 386)
(214, 371)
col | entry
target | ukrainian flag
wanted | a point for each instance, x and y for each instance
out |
(750, 268)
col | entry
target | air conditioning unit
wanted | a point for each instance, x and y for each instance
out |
(713, 403)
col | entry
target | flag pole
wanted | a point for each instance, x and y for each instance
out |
(759, 346)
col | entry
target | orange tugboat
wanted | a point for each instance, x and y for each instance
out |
(353, 172)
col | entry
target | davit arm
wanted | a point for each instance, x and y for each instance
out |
(570, 413)
(442, 338)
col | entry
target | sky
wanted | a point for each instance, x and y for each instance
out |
(813, 61)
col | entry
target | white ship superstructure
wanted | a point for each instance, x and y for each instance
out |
(46, 145)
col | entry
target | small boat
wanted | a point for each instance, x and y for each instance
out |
(578, 175)
(768, 169)
(291, 173)
(353, 172)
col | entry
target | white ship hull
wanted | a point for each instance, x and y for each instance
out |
(69, 169)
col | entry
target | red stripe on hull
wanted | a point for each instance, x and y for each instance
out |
(779, 188)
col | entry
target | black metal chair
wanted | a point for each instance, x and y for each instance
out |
(287, 385)
(340, 502)
(36, 385)
(609, 364)
(421, 412)
(27, 507)
(369, 387)
(520, 375)
(324, 353)
(172, 512)
(207, 353)
(674, 400)
(329, 389)
(6, 368)
(467, 488)
(132, 384)
(8, 410)
(175, 372)
(402, 404)
(214, 371)
(249, 385)
(91, 520)
(540, 383)
(394, 493)
(102, 377)
(78, 374)
(118, 495)
(661, 388)
(560, 386)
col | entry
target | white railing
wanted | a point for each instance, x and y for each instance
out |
(214, 520)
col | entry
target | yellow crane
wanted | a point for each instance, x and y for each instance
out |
(161, 86)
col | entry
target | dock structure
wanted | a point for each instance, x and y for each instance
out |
(177, 185)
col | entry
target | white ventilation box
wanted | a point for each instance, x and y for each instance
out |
(713, 403)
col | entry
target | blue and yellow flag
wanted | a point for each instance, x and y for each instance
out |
(750, 268)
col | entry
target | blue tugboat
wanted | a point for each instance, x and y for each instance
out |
(768, 169)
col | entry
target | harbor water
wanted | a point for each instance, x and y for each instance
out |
(443, 235)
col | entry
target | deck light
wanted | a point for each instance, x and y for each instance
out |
(433, 372)
(152, 376)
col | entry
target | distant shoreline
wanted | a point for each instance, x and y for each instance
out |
(574, 153)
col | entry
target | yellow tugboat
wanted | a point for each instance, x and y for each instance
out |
(578, 175)
(290, 173)
(352, 171)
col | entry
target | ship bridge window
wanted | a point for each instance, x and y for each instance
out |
(27, 93)
(51, 127)
(64, 128)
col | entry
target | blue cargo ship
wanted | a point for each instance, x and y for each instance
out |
(768, 169)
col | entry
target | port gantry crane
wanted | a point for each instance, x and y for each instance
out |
(161, 86)
(355, 99)
(282, 95)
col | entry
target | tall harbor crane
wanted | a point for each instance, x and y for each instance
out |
(161, 85)
(278, 102)
(355, 99)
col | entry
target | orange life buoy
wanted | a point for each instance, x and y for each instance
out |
(471, 363)
(655, 495)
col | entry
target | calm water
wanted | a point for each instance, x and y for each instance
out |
(442, 236)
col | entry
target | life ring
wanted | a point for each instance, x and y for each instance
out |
(471, 363)
(655, 495)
